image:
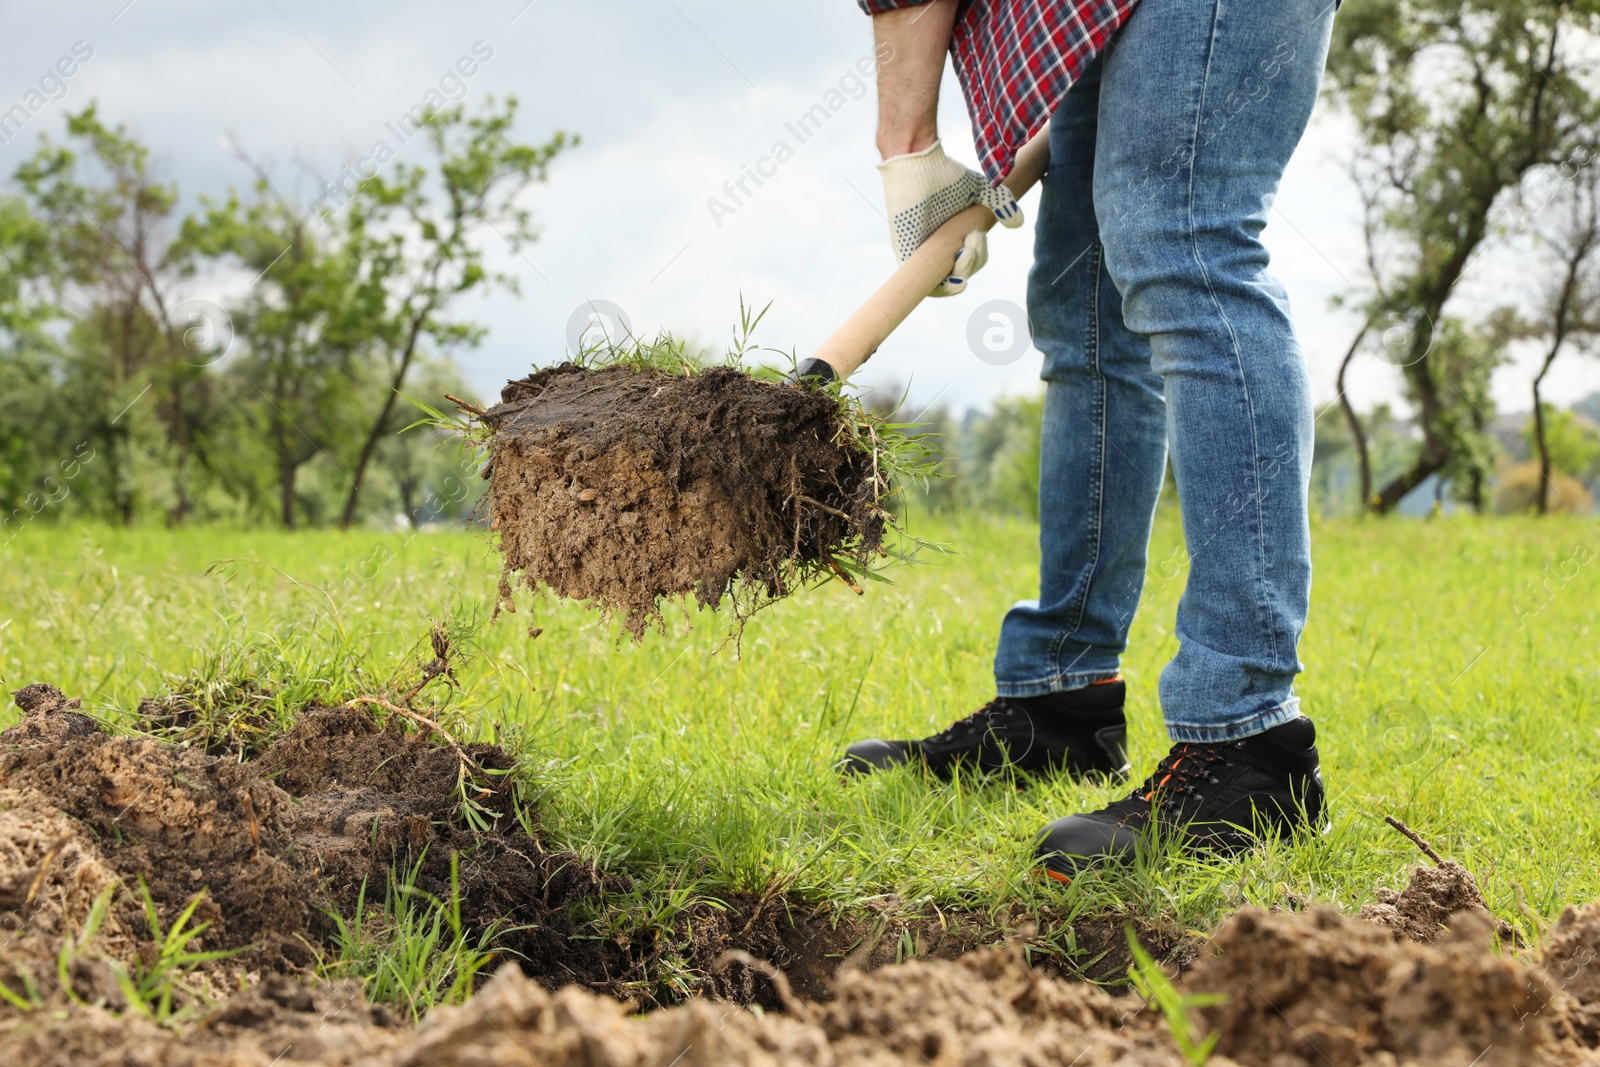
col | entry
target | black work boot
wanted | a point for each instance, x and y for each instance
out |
(1081, 732)
(1222, 795)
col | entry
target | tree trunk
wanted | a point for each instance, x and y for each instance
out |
(1543, 444)
(287, 467)
(286, 474)
(1434, 454)
(1357, 432)
(371, 446)
(180, 440)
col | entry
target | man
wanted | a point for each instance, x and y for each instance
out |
(1150, 299)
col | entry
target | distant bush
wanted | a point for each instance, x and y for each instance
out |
(1516, 492)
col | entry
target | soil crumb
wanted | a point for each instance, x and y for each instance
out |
(624, 486)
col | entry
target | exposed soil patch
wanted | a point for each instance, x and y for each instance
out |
(339, 801)
(623, 486)
(1423, 977)
(332, 809)
(1314, 988)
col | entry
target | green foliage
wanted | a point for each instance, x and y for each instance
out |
(413, 952)
(1574, 442)
(151, 985)
(1156, 988)
(1457, 107)
(421, 246)
(75, 945)
(133, 409)
(989, 461)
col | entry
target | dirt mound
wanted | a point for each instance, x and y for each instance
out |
(174, 818)
(1298, 988)
(51, 875)
(275, 1023)
(323, 819)
(988, 1008)
(340, 801)
(1572, 961)
(376, 797)
(625, 485)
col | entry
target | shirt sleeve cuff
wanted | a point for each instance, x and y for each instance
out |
(878, 7)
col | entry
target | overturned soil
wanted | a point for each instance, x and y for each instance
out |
(1296, 990)
(1423, 976)
(625, 486)
(318, 823)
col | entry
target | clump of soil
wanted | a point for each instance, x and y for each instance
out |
(627, 485)
(1327, 989)
(1422, 911)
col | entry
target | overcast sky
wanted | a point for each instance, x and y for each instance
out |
(671, 99)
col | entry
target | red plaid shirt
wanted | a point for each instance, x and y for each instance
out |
(1016, 59)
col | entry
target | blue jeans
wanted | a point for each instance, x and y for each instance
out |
(1151, 301)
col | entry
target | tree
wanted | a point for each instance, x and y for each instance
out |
(420, 245)
(1571, 443)
(1464, 355)
(114, 261)
(32, 442)
(302, 330)
(1456, 105)
(1570, 307)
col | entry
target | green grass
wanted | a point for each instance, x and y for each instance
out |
(1443, 697)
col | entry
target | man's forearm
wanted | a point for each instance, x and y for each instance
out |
(908, 83)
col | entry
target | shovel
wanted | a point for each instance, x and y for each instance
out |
(853, 343)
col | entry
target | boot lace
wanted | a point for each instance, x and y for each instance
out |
(978, 722)
(1183, 774)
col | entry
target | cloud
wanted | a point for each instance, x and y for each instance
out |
(672, 100)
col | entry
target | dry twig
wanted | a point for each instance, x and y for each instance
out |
(1416, 839)
(420, 720)
(843, 577)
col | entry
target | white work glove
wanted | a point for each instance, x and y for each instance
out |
(924, 190)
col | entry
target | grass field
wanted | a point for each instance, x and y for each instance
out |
(1450, 666)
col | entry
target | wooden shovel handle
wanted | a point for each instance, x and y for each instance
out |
(873, 322)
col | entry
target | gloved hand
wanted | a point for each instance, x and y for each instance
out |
(924, 190)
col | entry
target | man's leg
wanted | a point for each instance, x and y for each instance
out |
(1189, 163)
(1202, 104)
(1100, 473)
(1102, 447)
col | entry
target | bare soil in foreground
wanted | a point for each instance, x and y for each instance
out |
(279, 836)
(624, 486)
